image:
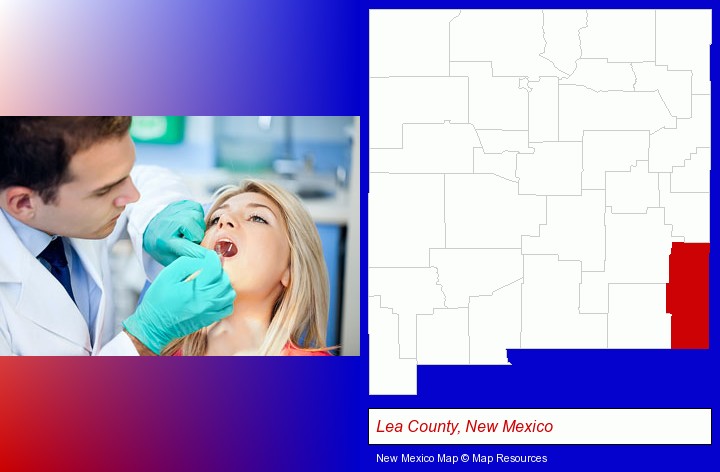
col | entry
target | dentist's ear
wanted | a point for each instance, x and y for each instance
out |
(19, 202)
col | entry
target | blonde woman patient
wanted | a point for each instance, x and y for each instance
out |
(271, 251)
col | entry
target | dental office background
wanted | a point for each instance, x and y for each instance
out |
(316, 157)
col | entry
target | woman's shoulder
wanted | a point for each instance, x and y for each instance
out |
(291, 350)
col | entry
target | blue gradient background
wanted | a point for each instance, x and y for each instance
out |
(272, 58)
(181, 57)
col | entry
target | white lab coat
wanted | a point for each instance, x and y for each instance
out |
(37, 317)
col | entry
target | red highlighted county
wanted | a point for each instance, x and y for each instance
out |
(686, 297)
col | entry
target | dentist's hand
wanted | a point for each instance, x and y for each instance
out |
(173, 308)
(174, 232)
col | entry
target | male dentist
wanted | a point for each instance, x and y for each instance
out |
(68, 191)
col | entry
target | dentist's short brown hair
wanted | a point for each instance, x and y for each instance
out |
(35, 151)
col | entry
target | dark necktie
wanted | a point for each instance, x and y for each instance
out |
(54, 255)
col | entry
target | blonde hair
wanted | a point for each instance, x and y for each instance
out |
(302, 307)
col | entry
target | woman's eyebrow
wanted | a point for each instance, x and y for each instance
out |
(260, 205)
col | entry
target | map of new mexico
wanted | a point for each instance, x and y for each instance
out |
(538, 179)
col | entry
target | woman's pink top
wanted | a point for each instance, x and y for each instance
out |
(288, 350)
(291, 350)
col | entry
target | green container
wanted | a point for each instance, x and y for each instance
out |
(158, 129)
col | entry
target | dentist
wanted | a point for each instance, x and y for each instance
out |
(68, 192)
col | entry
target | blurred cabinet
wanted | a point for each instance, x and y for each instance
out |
(333, 243)
(251, 143)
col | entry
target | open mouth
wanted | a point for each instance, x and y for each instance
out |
(225, 248)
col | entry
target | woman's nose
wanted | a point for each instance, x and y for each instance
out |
(226, 220)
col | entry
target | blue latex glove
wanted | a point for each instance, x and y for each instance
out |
(173, 308)
(174, 232)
